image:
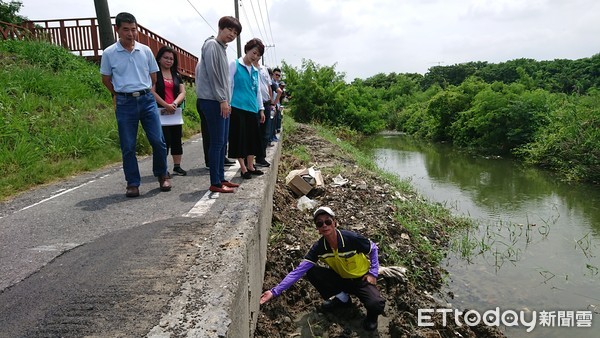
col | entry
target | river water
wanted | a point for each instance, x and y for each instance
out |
(537, 244)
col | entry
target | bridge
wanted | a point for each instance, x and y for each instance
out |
(81, 36)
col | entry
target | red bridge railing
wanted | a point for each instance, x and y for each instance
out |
(81, 36)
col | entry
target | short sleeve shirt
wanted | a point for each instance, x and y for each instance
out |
(349, 260)
(130, 71)
(265, 83)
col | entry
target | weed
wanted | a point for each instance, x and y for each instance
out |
(335, 170)
(592, 269)
(276, 233)
(504, 241)
(302, 154)
(585, 244)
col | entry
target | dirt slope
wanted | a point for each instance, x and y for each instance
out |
(365, 204)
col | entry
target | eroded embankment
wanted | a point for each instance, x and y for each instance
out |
(368, 204)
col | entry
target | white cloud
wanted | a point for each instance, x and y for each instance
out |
(369, 37)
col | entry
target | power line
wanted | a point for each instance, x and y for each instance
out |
(262, 21)
(194, 7)
(203, 18)
(271, 30)
(256, 19)
(262, 36)
(247, 20)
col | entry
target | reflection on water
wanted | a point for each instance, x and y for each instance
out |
(536, 247)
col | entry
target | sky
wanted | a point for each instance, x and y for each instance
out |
(363, 38)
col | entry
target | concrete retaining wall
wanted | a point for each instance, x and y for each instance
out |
(220, 296)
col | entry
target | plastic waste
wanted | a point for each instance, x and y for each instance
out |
(305, 203)
(338, 181)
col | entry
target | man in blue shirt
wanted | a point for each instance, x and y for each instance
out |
(128, 71)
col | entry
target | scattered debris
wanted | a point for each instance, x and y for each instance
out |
(302, 181)
(305, 203)
(366, 204)
(338, 181)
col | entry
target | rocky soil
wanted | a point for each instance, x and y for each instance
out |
(366, 204)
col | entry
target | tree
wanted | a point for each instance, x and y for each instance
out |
(322, 96)
(9, 10)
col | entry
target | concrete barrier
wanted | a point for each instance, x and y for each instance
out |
(221, 292)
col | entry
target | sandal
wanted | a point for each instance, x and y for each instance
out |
(255, 172)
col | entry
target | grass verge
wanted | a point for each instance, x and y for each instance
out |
(57, 118)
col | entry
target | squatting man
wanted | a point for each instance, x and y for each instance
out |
(353, 266)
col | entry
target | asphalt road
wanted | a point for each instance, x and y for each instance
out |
(78, 258)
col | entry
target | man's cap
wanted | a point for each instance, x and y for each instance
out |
(323, 210)
(282, 84)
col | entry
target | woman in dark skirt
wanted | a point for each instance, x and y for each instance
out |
(247, 111)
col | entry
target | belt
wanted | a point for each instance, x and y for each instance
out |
(136, 94)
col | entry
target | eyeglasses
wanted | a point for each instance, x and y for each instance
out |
(277, 74)
(320, 223)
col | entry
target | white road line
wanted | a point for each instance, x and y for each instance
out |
(209, 198)
(60, 194)
(55, 247)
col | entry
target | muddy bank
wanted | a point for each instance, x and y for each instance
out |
(367, 204)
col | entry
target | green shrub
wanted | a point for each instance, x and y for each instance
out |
(501, 118)
(320, 95)
(569, 142)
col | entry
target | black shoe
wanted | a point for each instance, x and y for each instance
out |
(262, 163)
(256, 172)
(335, 303)
(247, 175)
(179, 171)
(228, 162)
(369, 325)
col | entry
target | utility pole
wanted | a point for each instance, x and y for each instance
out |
(107, 36)
(263, 57)
(237, 16)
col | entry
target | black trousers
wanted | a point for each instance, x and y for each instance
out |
(173, 135)
(329, 284)
(204, 130)
(265, 132)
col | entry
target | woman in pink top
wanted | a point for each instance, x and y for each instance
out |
(169, 92)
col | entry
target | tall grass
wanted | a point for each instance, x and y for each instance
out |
(57, 118)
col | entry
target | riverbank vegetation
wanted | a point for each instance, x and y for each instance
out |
(57, 118)
(545, 113)
(410, 232)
